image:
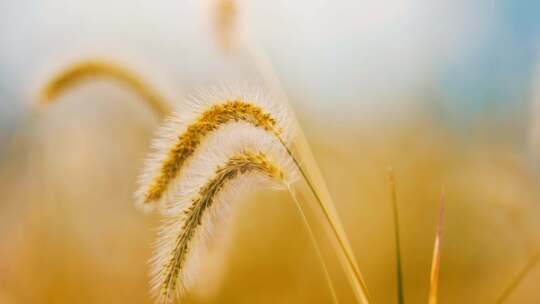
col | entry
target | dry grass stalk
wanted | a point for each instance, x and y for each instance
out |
(318, 250)
(324, 202)
(98, 68)
(176, 245)
(519, 277)
(436, 260)
(300, 150)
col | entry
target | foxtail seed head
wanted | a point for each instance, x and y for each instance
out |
(186, 131)
(98, 68)
(183, 235)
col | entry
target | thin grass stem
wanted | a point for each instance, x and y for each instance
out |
(436, 260)
(519, 278)
(393, 197)
(322, 196)
(359, 285)
(320, 256)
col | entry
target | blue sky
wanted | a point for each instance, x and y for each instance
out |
(346, 57)
(502, 69)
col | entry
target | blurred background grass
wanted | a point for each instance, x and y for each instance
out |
(442, 92)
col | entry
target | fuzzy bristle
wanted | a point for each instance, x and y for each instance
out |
(176, 245)
(188, 142)
(188, 129)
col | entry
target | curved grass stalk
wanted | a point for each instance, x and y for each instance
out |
(531, 263)
(436, 260)
(98, 68)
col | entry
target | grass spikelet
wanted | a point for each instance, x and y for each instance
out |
(436, 260)
(183, 235)
(204, 116)
(97, 68)
(393, 197)
(189, 128)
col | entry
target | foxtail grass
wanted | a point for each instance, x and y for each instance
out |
(82, 71)
(176, 245)
(216, 150)
(182, 140)
(234, 144)
(187, 144)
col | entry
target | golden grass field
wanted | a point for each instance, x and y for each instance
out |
(70, 233)
(70, 184)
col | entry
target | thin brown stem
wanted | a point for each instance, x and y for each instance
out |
(361, 293)
(316, 246)
(436, 260)
(519, 277)
(265, 68)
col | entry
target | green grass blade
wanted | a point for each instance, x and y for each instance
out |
(393, 197)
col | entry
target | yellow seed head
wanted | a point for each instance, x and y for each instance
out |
(240, 164)
(216, 116)
(90, 69)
